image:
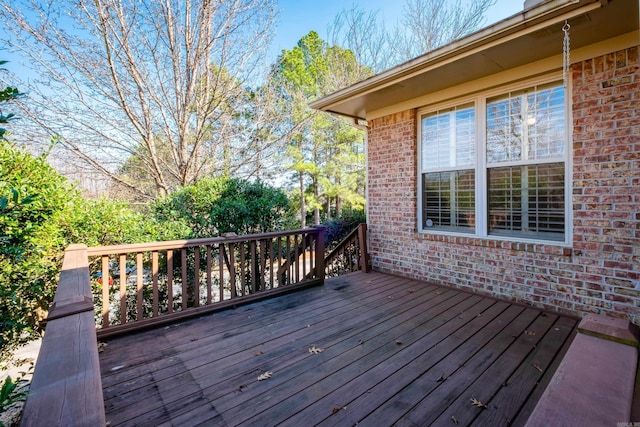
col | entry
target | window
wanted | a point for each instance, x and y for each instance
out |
(515, 187)
(448, 159)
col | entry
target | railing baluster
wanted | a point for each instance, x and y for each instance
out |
(196, 276)
(288, 279)
(279, 249)
(169, 281)
(221, 262)
(263, 265)
(209, 274)
(154, 278)
(243, 277)
(123, 288)
(105, 291)
(139, 274)
(254, 286)
(232, 270)
(271, 263)
(305, 237)
(296, 262)
(183, 254)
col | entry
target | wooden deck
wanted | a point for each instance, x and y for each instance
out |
(394, 351)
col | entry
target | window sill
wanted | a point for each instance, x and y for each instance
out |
(549, 248)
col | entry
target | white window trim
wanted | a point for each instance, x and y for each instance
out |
(479, 101)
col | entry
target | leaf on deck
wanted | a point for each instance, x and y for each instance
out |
(102, 346)
(538, 368)
(398, 342)
(477, 403)
(454, 419)
(336, 410)
(529, 333)
(315, 350)
(265, 376)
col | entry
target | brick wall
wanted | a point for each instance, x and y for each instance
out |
(600, 273)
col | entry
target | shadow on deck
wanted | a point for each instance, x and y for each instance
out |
(388, 351)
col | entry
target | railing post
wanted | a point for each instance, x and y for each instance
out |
(320, 252)
(364, 254)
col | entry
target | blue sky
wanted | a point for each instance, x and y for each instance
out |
(298, 17)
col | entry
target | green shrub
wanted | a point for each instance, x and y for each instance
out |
(214, 206)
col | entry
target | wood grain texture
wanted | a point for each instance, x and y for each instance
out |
(66, 389)
(393, 351)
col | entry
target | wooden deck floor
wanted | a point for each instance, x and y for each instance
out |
(395, 351)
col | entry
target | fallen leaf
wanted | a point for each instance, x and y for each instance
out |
(529, 333)
(398, 342)
(265, 376)
(241, 388)
(336, 410)
(102, 346)
(260, 353)
(441, 379)
(411, 290)
(477, 403)
(538, 368)
(360, 342)
(315, 350)
(454, 419)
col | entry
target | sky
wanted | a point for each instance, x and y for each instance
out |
(298, 17)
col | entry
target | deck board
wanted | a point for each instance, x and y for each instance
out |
(394, 351)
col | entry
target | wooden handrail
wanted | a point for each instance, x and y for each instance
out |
(66, 388)
(179, 244)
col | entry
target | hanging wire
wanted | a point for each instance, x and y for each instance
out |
(566, 53)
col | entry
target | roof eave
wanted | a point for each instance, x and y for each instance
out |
(500, 30)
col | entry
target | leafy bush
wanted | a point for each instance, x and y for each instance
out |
(33, 200)
(41, 213)
(214, 206)
(339, 228)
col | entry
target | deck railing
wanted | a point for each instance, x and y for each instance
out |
(140, 285)
(110, 289)
(350, 255)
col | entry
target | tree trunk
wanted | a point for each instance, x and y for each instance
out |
(303, 207)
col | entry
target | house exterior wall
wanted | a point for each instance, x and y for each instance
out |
(598, 273)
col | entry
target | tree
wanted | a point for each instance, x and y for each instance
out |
(164, 82)
(320, 141)
(8, 94)
(425, 25)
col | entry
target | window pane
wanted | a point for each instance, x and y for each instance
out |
(527, 201)
(527, 125)
(546, 124)
(504, 130)
(448, 201)
(448, 138)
